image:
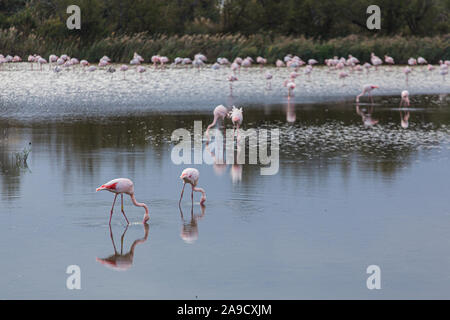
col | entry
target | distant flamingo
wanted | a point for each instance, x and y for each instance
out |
(367, 89)
(376, 61)
(407, 71)
(343, 75)
(269, 80)
(421, 60)
(290, 84)
(191, 176)
(31, 59)
(261, 61)
(121, 186)
(123, 68)
(279, 63)
(231, 79)
(41, 61)
(389, 60)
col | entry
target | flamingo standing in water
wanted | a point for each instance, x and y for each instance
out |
(123, 68)
(269, 80)
(121, 186)
(290, 84)
(231, 79)
(236, 117)
(191, 176)
(407, 71)
(405, 99)
(367, 89)
(220, 112)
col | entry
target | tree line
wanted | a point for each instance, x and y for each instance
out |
(325, 19)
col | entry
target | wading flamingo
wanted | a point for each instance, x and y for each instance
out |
(121, 186)
(236, 117)
(220, 112)
(231, 79)
(290, 84)
(191, 176)
(405, 99)
(367, 89)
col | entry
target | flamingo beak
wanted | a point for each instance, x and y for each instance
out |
(100, 188)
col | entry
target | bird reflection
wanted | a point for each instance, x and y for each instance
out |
(189, 229)
(120, 261)
(216, 151)
(366, 116)
(404, 119)
(236, 168)
(290, 112)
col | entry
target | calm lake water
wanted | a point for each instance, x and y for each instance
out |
(347, 195)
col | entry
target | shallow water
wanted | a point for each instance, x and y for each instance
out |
(73, 92)
(347, 195)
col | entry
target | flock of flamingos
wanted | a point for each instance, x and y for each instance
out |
(123, 186)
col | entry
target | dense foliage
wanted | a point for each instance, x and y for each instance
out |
(271, 28)
(310, 18)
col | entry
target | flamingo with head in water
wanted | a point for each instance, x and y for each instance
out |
(191, 176)
(121, 186)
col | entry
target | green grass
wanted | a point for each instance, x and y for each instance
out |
(120, 48)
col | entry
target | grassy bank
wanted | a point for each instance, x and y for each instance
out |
(121, 48)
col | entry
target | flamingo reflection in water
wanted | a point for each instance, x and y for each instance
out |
(216, 152)
(290, 112)
(404, 114)
(366, 116)
(120, 261)
(189, 229)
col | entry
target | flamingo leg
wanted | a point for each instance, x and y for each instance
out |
(123, 212)
(112, 209)
(182, 191)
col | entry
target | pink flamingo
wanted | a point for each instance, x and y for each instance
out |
(31, 59)
(155, 60)
(41, 61)
(389, 60)
(421, 60)
(343, 75)
(412, 61)
(405, 99)
(121, 186)
(268, 80)
(367, 89)
(261, 61)
(220, 112)
(237, 117)
(231, 79)
(290, 84)
(407, 71)
(376, 61)
(123, 68)
(279, 63)
(191, 176)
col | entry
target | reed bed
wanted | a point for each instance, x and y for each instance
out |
(120, 48)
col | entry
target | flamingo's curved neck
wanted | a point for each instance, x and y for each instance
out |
(138, 204)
